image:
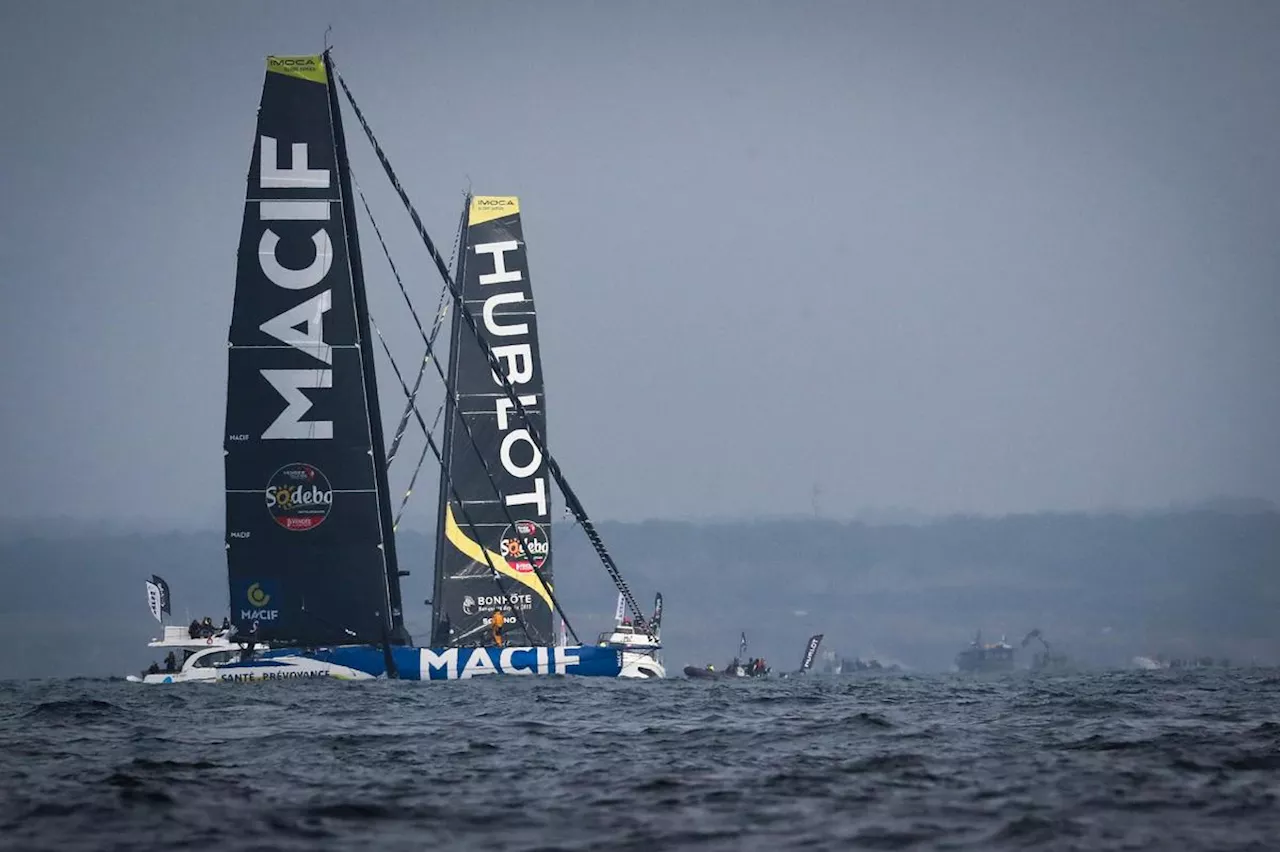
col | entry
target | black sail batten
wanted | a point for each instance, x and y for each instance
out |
(308, 560)
(571, 500)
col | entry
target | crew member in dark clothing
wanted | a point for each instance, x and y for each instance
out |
(171, 663)
(226, 624)
(194, 630)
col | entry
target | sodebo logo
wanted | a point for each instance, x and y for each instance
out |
(299, 497)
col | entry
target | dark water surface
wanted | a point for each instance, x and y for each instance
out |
(1128, 760)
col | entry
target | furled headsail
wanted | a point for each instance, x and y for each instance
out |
(491, 462)
(310, 553)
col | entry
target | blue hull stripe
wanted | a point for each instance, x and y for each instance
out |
(464, 663)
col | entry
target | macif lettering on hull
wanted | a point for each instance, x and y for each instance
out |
(301, 325)
(465, 663)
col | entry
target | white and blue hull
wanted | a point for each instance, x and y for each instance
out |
(465, 663)
(364, 662)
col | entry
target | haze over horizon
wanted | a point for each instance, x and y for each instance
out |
(979, 258)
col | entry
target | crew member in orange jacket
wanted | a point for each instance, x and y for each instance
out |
(498, 620)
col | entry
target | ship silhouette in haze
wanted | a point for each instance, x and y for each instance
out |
(992, 657)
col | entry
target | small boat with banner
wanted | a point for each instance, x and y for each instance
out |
(753, 667)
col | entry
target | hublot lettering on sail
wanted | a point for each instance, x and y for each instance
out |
(301, 401)
(514, 524)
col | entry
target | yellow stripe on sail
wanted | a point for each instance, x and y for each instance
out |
(473, 551)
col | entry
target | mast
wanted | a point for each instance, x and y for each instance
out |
(441, 627)
(399, 635)
(310, 560)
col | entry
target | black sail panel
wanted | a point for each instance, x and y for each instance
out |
(513, 522)
(306, 557)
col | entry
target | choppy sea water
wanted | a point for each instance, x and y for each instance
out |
(1128, 760)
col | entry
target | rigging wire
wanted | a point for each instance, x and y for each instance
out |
(475, 445)
(571, 498)
(533, 635)
(442, 310)
(412, 404)
(449, 397)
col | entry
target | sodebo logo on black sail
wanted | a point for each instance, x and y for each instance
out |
(299, 497)
(526, 547)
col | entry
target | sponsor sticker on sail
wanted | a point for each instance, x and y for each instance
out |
(525, 546)
(299, 497)
(486, 208)
(303, 67)
(258, 596)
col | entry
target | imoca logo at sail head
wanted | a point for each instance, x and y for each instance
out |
(293, 63)
(299, 497)
(525, 547)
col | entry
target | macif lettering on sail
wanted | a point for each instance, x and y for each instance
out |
(303, 510)
(512, 523)
(300, 324)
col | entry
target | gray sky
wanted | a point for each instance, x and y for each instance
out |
(978, 257)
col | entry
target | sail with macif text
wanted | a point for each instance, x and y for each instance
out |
(492, 464)
(310, 555)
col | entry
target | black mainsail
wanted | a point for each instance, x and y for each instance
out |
(310, 552)
(492, 464)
